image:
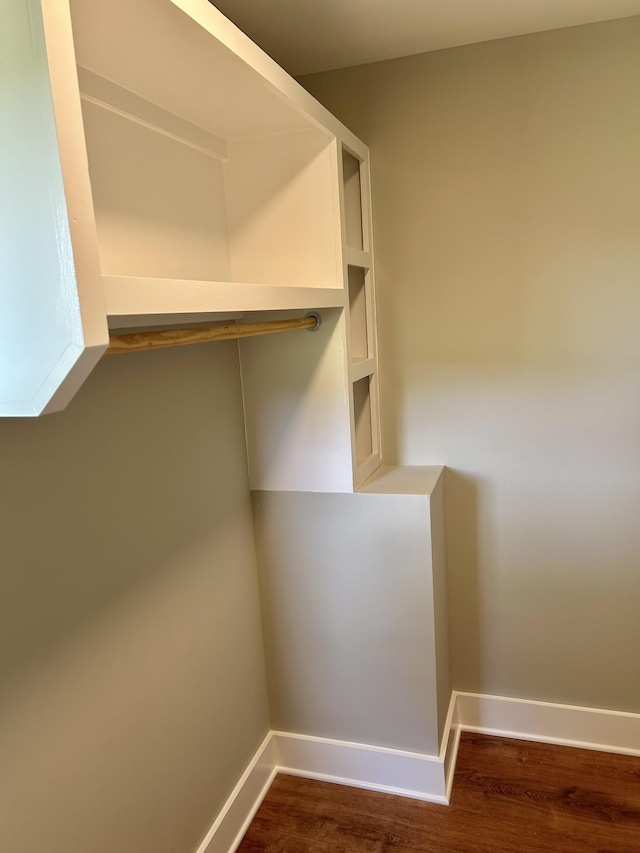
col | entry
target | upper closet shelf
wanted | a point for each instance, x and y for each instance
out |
(129, 296)
(358, 258)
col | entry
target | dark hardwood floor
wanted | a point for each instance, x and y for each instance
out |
(509, 796)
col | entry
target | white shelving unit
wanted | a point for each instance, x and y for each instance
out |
(360, 302)
(184, 176)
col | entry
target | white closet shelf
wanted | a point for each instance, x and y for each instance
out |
(361, 367)
(125, 296)
(403, 480)
(358, 258)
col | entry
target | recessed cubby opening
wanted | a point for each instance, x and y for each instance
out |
(352, 200)
(166, 208)
(358, 313)
(363, 424)
(159, 204)
(199, 171)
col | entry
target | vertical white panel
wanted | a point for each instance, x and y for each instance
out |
(50, 338)
(39, 317)
(282, 208)
(441, 604)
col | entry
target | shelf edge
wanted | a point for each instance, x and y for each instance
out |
(129, 296)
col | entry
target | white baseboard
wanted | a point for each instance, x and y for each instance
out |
(411, 774)
(233, 821)
(376, 768)
(565, 725)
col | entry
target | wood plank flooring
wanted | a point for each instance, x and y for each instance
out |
(508, 796)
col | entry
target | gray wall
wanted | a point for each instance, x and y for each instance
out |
(132, 681)
(506, 207)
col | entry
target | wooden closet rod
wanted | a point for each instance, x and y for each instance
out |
(221, 332)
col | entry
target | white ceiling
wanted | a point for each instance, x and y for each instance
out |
(305, 36)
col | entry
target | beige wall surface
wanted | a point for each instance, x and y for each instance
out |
(132, 680)
(506, 205)
(347, 593)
